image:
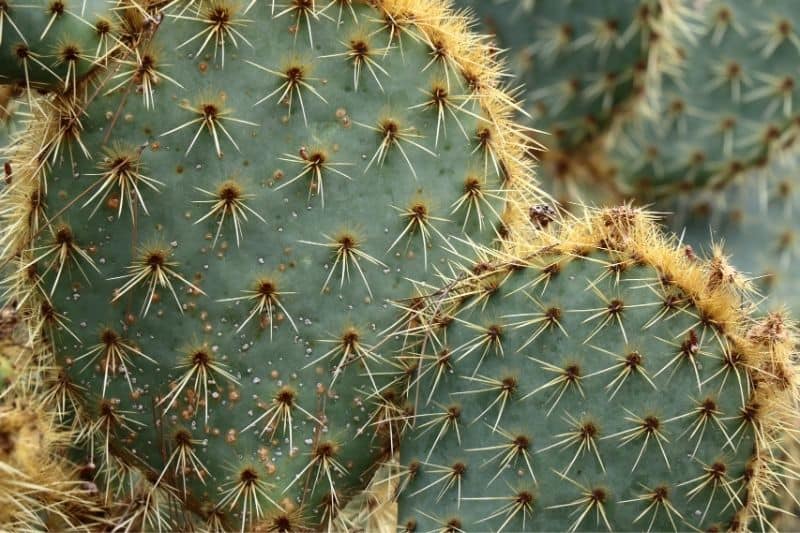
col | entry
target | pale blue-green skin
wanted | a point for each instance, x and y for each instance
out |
(363, 205)
(675, 395)
(656, 156)
(25, 23)
(523, 27)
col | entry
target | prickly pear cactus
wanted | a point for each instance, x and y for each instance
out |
(585, 66)
(602, 381)
(206, 233)
(731, 108)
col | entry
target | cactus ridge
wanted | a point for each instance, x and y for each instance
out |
(596, 379)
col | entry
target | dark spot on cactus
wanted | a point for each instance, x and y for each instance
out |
(107, 410)
(347, 242)
(56, 8)
(509, 384)
(109, 337)
(616, 307)
(572, 372)
(7, 443)
(359, 49)
(389, 129)
(521, 442)
(102, 27)
(633, 361)
(64, 236)
(709, 406)
(589, 430)
(410, 526)
(481, 267)
(785, 28)
(443, 320)
(484, 135)
(718, 470)
(553, 315)
(156, 259)
(677, 106)
(472, 186)
(454, 412)
(524, 498)
(661, 493)
(420, 211)
(201, 357)
(618, 267)
(47, 311)
(21, 51)
(706, 319)
(350, 339)
(183, 439)
(439, 95)
(248, 476)
(229, 192)
(459, 468)
(210, 111)
(282, 523)
(651, 424)
(733, 70)
(599, 495)
(326, 449)
(723, 14)
(147, 63)
(219, 14)
(70, 53)
(453, 525)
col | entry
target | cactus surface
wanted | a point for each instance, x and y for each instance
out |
(730, 108)
(585, 67)
(206, 233)
(603, 380)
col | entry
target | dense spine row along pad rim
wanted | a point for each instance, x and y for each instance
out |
(601, 380)
(207, 231)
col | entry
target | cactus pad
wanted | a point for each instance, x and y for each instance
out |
(206, 238)
(599, 381)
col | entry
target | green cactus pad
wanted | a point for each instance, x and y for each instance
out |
(224, 215)
(583, 63)
(605, 381)
(732, 107)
